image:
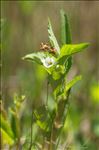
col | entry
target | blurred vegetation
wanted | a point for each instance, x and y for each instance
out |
(23, 28)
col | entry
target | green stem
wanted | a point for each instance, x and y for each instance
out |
(50, 139)
(65, 112)
(47, 93)
(51, 136)
(46, 105)
(31, 129)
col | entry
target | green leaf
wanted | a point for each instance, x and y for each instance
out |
(44, 59)
(70, 49)
(15, 124)
(42, 118)
(35, 57)
(6, 138)
(52, 38)
(68, 64)
(72, 82)
(6, 131)
(61, 91)
(65, 29)
(66, 37)
(66, 61)
(58, 71)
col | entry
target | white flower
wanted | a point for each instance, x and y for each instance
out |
(48, 62)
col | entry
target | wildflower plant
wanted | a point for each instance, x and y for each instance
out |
(57, 61)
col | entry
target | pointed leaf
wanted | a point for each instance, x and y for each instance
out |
(44, 59)
(15, 124)
(65, 29)
(66, 61)
(61, 92)
(6, 139)
(35, 57)
(6, 130)
(68, 64)
(66, 37)
(72, 82)
(52, 38)
(69, 49)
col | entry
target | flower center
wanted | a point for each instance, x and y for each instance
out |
(48, 62)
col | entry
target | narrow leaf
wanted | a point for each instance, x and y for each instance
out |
(72, 82)
(52, 38)
(65, 29)
(15, 124)
(66, 37)
(68, 64)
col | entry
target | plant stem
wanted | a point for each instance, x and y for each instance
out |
(31, 128)
(65, 112)
(52, 133)
(47, 93)
(50, 145)
(46, 105)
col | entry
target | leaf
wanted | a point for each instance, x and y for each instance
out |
(6, 130)
(66, 37)
(15, 124)
(70, 49)
(61, 91)
(42, 118)
(66, 61)
(58, 91)
(68, 64)
(58, 71)
(72, 82)
(52, 38)
(65, 29)
(42, 59)
(35, 57)
(6, 139)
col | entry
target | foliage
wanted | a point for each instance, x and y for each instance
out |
(57, 65)
(9, 125)
(21, 32)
